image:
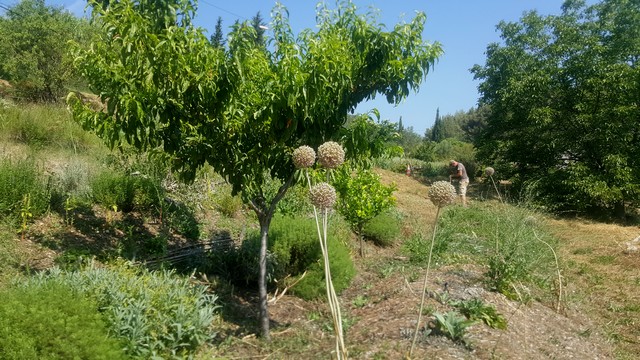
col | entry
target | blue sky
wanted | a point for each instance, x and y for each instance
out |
(463, 27)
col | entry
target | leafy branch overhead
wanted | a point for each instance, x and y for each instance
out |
(243, 109)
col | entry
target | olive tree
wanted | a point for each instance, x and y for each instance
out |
(243, 109)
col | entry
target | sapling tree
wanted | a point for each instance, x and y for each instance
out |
(362, 197)
(244, 108)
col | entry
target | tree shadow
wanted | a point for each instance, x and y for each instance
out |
(89, 231)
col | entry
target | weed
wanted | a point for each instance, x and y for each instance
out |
(360, 301)
(452, 325)
(25, 212)
(604, 259)
(476, 309)
(17, 180)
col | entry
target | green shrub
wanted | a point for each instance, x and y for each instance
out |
(312, 286)
(126, 192)
(181, 217)
(435, 170)
(296, 201)
(228, 204)
(399, 164)
(49, 321)
(157, 314)
(383, 229)
(17, 180)
(293, 249)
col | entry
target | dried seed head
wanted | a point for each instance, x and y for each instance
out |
(489, 171)
(330, 155)
(442, 193)
(304, 157)
(322, 196)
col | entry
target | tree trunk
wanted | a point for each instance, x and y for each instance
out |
(361, 243)
(265, 220)
(619, 210)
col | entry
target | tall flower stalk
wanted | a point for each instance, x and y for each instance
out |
(323, 197)
(441, 194)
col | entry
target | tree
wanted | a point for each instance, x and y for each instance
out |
(564, 100)
(362, 197)
(410, 141)
(217, 39)
(33, 50)
(436, 133)
(366, 138)
(241, 110)
(259, 27)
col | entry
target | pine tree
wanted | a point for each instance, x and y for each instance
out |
(258, 24)
(437, 131)
(217, 39)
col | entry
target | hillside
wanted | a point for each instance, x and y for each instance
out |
(597, 316)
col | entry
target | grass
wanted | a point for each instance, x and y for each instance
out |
(604, 279)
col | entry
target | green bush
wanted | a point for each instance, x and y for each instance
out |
(399, 164)
(293, 249)
(383, 229)
(50, 321)
(126, 192)
(157, 314)
(228, 204)
(17, 180)
(435, 170)
(294, 243)
(296, 201)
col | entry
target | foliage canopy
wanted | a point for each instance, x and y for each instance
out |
(564, 103)
(33, 51)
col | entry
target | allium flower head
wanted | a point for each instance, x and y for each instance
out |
(330, 155)
(442, 193)
(322, 196)
(489, 171)
(304, 157)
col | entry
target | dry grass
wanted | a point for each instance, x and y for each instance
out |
(604, 282)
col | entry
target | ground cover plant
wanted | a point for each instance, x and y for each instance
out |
(52, 321)
(154, 313)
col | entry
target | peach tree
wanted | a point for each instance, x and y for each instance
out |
(241, 109)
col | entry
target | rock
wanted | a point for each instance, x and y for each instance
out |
(633, 246)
